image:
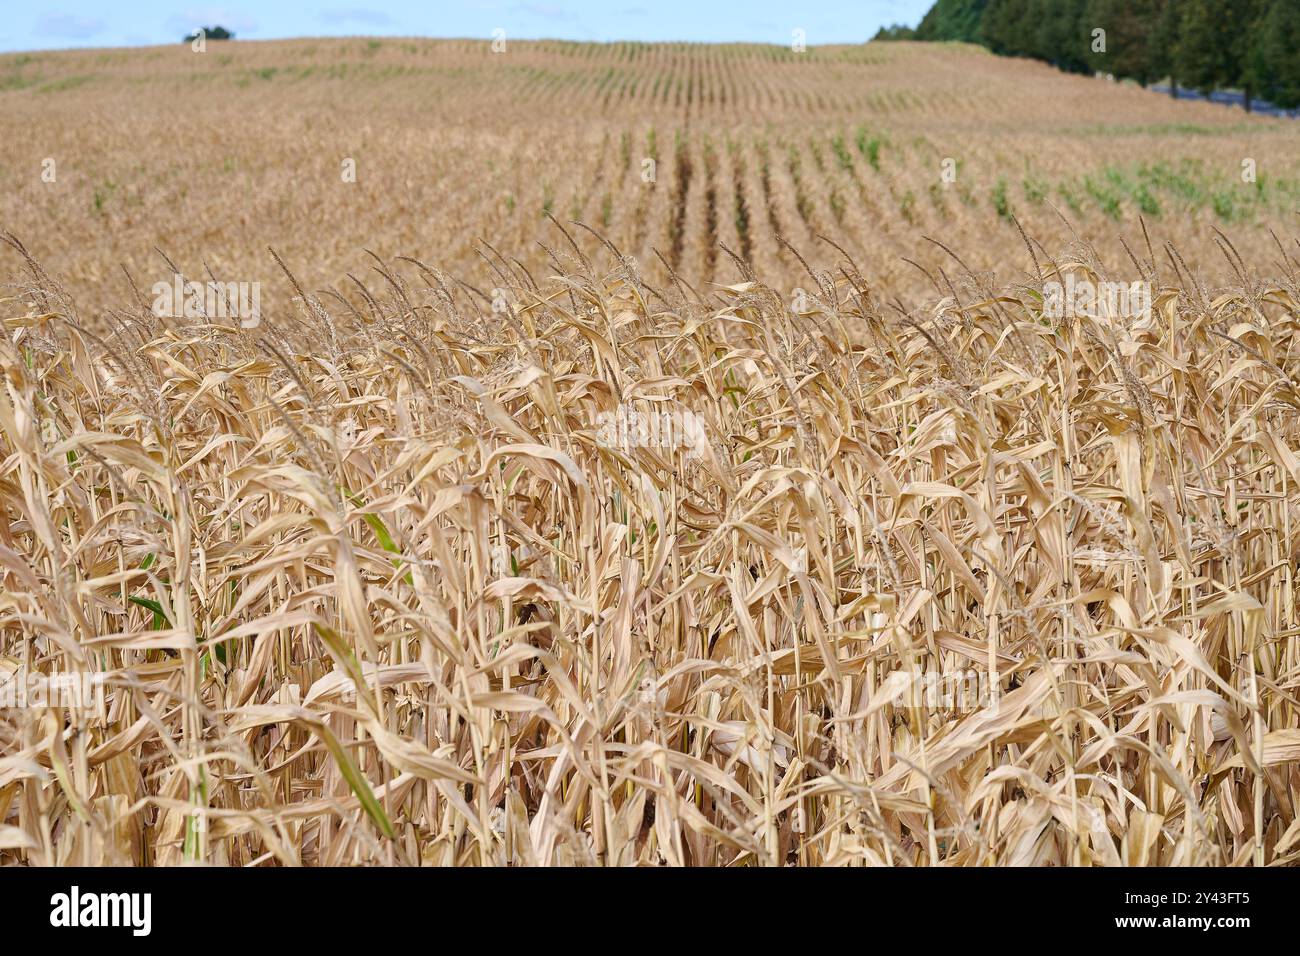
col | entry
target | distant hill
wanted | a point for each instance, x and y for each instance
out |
(323, 148)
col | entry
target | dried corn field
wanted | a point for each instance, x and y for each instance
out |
(703, 531)
(368, 584)
(667, 149)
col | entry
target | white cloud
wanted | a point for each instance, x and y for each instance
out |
(195, 17)
(68, 26)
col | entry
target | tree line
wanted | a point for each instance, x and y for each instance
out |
(1206, 45)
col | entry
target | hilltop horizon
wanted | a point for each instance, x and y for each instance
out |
(82, 24)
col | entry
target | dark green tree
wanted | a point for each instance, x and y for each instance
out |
(1244, 26)
(1129, 26)
(899, 31)
(212, 33)
(1214, 44)
(1062, 34)
(1162, 47)
(1003, 28)
(953, 20)
(1272, 59)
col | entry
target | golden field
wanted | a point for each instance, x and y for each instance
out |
(213, 157)
(399, 574)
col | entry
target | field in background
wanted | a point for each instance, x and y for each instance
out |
(213, 157)
(486, 545)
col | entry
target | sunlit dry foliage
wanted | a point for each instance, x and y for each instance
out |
(372, 582)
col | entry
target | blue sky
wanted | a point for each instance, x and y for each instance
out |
(56, 24)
